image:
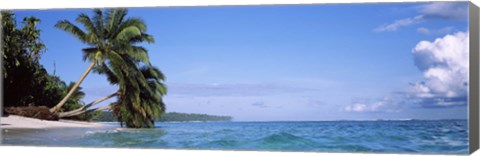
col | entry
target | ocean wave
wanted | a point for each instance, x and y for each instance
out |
(222, 143)
(93, 132)
(286, 140)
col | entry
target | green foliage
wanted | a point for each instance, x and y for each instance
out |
(75, 101)
(140, 100)
(104, 116)
(184, 117)
(88, 116)
(108, 116)
(113, 45)
(26, 82)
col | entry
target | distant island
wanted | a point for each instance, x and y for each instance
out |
(174, 116)
(107, 116)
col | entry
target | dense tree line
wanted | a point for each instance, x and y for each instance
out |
(106, 116)
(182, 117)
(25, 81)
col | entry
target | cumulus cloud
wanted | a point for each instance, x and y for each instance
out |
(441, 31)
(435, 10)
(444, 64)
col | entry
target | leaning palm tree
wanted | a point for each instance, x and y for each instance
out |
(141, 88)
(139, 96)
(108, 36)
(140, 99)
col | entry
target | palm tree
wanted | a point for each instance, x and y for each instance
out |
(75, 100)
(109, 36)
(140, 92)
(140, 99)
(139, 96)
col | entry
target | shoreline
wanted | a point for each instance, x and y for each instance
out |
(20, 122)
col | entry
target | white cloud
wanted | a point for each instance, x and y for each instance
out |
(435, 10)
(362, 107)
(386, 104)
(445, 10)
(356, 107)
(441, 31)
(444, 63)
(400, 23)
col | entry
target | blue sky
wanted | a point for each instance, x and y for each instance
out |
(292, 62)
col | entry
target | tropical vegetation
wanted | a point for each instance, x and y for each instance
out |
(185, 117)
(108, 116)
(113, 48)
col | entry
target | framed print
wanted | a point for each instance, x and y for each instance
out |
(337, 78)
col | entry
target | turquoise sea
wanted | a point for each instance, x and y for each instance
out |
(411, 136)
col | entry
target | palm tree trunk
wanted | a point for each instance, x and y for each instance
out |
(61, 103)
(83, 109)
(100, 109)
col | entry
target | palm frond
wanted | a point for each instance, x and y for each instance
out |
(98, 22)
(114, 18)
(92, 32)
(72, 29)
(89, 53)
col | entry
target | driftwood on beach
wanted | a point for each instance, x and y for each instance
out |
(39, 112)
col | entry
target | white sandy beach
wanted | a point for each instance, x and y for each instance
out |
(19, 122)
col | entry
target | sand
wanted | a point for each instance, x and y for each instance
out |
(19, 122)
